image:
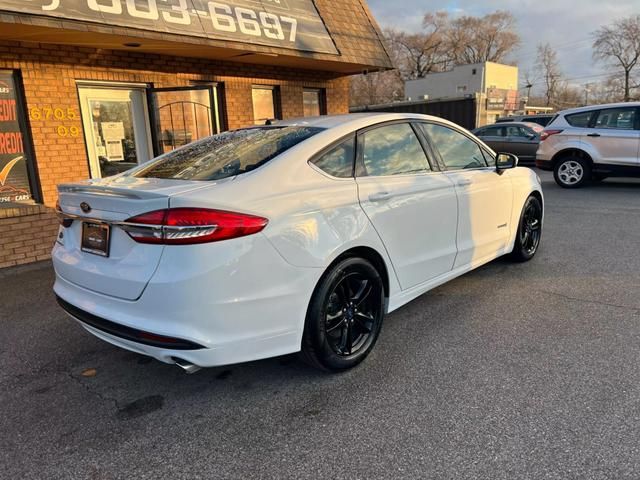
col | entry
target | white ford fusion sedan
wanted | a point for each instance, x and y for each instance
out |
(299, 236)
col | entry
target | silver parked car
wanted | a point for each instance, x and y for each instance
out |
(592, 143)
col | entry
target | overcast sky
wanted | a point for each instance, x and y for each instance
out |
(565, 24)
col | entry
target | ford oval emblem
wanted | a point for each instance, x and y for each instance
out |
(85, 207)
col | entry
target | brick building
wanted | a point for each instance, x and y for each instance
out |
(89, 88)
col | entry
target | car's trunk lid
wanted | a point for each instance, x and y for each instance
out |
(127, 269)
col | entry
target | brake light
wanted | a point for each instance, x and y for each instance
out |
(547, 133)
(65, 222)
(186, 226)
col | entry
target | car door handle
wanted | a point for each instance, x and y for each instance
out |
(464, 182)
(379, 197)
(593, 135)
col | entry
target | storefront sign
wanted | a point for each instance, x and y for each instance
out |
(292, 24)
(14, 176)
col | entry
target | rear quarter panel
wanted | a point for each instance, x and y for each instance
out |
(313, 218)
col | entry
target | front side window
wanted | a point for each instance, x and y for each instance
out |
(393, 150)
(579, 119)
(225, 155)
(616, 118)
(338, 161)
(265, 104)
(458, 152)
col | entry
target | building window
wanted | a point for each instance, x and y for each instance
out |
(314, 102)
(265, 104)
(18, 184)
(461, 88)
(182, 115)
(474, 71)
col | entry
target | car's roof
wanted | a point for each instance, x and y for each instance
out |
(502, 124)
(356, 121)
(532, 115)
(598, 107)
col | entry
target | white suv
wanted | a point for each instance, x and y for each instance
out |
(592, 143)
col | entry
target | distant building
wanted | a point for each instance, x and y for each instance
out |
(494, 86)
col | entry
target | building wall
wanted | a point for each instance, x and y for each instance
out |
(501, 76)
(462, 80)
(49, 75)
(445, 84)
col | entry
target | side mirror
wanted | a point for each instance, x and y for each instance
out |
(504, 161)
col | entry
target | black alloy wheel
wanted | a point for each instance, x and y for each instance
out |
(529, 230)
(345, 316)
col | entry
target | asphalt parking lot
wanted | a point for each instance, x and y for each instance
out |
(512, 371)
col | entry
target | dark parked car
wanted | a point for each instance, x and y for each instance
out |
(519, 138)
(541, 119)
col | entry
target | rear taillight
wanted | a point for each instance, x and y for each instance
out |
(65, 222)
(186, 226)
(547, 133)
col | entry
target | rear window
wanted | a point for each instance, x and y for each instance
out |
(579, 119)
(227, 154)
(542, 120)
(536, 127)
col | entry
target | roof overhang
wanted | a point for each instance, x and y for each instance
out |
(33, 28)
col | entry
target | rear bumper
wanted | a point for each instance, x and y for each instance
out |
(227, 304)
(123, 332)
(544, 164)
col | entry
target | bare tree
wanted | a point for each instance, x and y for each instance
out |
(619, 44)
(420, 53)
(442, 43)
(490, 38)
(611, 90)
(568, 96)
(549, 67)
(375, 88)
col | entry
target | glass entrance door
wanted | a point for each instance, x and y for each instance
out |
(116, 128)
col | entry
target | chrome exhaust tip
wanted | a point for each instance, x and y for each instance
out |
(188, 367)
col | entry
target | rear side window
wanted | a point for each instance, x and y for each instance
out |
(579, 119)
(338, 161)
(616, 118)
(492, 132)
(393, 150)
(458, 152)
(225, 155)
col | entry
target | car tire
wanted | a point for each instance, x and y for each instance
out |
(344, 316)
(529, 231)
(572, 172)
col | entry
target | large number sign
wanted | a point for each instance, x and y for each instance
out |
(14, 177)
(292, 24)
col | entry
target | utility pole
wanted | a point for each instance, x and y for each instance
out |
(587, 86)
